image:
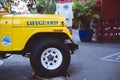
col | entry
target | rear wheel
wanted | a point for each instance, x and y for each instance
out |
(50, 58)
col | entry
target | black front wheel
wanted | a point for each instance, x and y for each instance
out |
(50, 58)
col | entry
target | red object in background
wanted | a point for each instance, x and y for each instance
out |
(110, 20)
(110, 9)
(98, 7)
(61, 1)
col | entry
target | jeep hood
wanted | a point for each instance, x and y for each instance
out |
(38, 20)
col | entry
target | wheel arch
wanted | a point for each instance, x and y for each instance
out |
(39, 36)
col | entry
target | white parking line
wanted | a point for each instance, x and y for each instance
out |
(56, 78)
(114, 57)
(10, 57)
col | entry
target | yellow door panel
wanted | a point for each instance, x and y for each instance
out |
(6, 33)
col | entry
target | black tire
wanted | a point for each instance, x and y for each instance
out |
(50, 58)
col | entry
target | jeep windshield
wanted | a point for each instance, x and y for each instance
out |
(3, 3)
(4, 6)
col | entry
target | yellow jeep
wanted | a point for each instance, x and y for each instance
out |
(44, 36)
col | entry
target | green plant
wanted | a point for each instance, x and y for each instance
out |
(84, 13)
(48, 6)
(33, 11)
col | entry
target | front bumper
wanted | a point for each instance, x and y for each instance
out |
(72, 46)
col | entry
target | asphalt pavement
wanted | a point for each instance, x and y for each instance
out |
(92, 61)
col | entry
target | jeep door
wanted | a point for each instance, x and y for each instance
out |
(6, 36)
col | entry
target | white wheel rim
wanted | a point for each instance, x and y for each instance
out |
(51, 58)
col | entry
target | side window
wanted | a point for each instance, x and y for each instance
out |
(3, 3)
(0, 5)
